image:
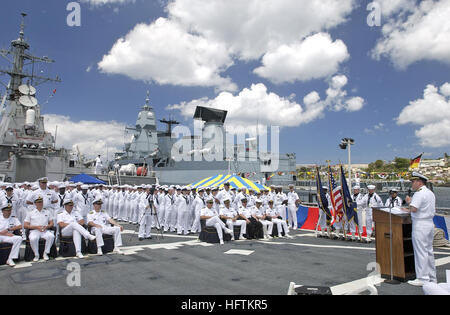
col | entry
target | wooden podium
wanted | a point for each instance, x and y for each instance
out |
(402, 248)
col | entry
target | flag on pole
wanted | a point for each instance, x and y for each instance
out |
(415, 162)
(322, 198)
(350, 207)
(335, 196)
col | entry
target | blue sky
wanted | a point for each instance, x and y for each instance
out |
(386, 85)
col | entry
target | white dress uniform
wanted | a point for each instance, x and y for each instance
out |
(278, 203)
(170, 212)
(352, 225)
(48, 195)
(183, 214)
(281, 224)
(15, 202)
(232, 213)
(145, 204)
(292, 209)
(396, 202)
(267, 225)
(160, 209)
(83, 203)
(102, 218)
(5, 224)
(215, 221)
(369, 202)
(198, 204)
(221, 195)
(322, 222)
(40, 218)
(74, 229)
(424, 201)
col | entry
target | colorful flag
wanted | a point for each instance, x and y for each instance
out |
(335, 196)
(350, 207)
(322, 198)
(415, 162)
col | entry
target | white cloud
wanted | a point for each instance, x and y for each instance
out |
(257, 103)
(106, 2)
(315, 57)
(163, 52)
(420, 33)
(432, 112)
(91, 137)
(391, 7)
(201, 39)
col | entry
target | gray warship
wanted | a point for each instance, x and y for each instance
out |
(27, 151)
(153, 151)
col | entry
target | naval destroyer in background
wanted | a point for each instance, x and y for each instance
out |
(152, 150)
(27, 151)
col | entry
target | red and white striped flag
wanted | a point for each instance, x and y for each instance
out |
(336, 197)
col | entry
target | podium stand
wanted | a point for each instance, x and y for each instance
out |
(403, 267)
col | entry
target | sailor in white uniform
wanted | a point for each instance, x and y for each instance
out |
(371, 200)
(39, 221)
(293, 201)
(70, 222)
(394, 200)
(230, 215)
(322, 222)
(98, 165)
(275, 215)
(212, 219)
(422, 207)
(356, 197)
(100, 221)
(198, 204)
(8, 225)
(83, 201)
(260, 214)
(147, 209)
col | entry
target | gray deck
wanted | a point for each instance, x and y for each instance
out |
(184, 266)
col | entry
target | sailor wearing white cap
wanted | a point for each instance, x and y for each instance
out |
(8, 225)
(99, 220)
(212, 219)
(230, 215)
(121, 206)
(83, 201)
(146, 206)
(370, 201)
(170, 214)
(70, 222)
(198, 204)
(224, 193)
(273, 213)
(394, 200)
(422, 207)
(322, 222)
(293, 201)
(159, 200)
(183, 212)
(260, 214)
(12, 198)
(49, 196)
(39, 221)
(356, 197)
(280, 201)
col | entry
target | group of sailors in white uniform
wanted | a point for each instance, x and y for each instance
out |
(365, 203)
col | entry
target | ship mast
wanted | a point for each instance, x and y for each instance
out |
(19, 59)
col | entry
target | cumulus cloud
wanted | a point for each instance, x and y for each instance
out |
(163, 52)
(257, 103)
(315, 57)
(418, 33)
(200, 39)
(432, 113)
(91, 137)
(106, 2)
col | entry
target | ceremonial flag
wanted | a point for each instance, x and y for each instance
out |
(322, 198)
(350, 207)
(335, 196)
(415, 162)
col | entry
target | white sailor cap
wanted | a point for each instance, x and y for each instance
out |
(325, 187)
(84, 187)
(43, 179)
(356, 187)
(9, 186)
(393, 190)
(60, 186)
(200, 189)
(226, 199)
(371, 187)
(417, 175)
(209, 200)
(258, 201)
(34, 187)
(68, 201)
(98, 199)
(291, 185)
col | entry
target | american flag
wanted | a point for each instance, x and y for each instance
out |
(335, 196)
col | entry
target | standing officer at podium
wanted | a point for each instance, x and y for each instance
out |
(422, 207)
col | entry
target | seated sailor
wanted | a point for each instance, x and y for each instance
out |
(253, 225)
(39, 221)
(266, 221)
(231, 216)
(71, 223)
(8, 225)
(273, 213)
(99, 220)
(212, 219)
